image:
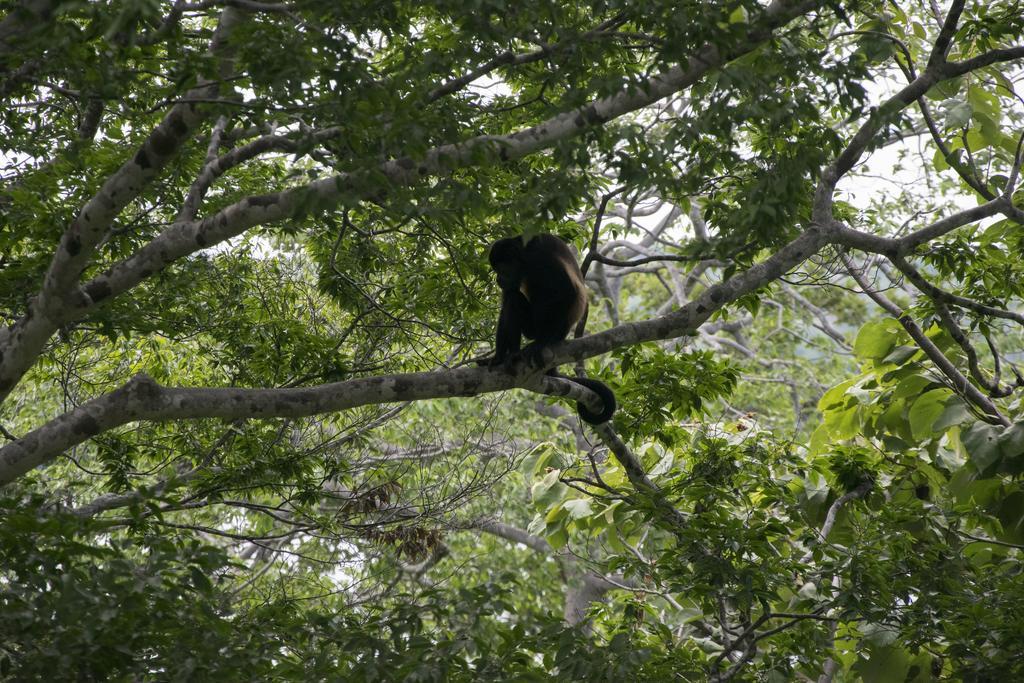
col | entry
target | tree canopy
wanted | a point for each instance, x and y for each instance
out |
(245, 433)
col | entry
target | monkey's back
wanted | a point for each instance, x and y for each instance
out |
(554, 286)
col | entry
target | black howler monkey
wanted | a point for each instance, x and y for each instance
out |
(542, 298)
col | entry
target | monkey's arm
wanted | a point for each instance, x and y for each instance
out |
(515, 311)
(581, 326)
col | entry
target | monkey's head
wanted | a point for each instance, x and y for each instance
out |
(506, 257)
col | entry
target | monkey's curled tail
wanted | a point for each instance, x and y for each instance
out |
(602, 390)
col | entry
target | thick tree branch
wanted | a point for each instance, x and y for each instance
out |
(516, 535)
(945, 38)
(637, 476)
(185, 238)
(849, 157)
(892, 247)
(21, 343)
(945, 297)
(217, 166)
(862, 489)
(1008, 54)
(938, 70)
(144, 399)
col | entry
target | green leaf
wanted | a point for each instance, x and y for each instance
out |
(893, 419)
(548, 490)
(835, 396)
(609, 512)
(982, 444)
(884, 665)
(578, 507)
(1011, 516)
(911, 386)
(958, 114)
(558, 539)
(990, 130)
(975, 140)
(945, 89)
(901, 354)
(199, 580)
(983, 101)
(738, 15)
(1011, 441)
(875, 340)
(816, 488)
(556, 514)
(663, 465)
(538, 458)
(956, 412)
(925, 411)
(879, 635)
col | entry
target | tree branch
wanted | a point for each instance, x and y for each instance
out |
(943, 296)
(185, 238)
(892, 247)
(21, 343)
(957, 380)
(143, 399)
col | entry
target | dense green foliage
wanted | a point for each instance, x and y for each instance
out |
(805, 267)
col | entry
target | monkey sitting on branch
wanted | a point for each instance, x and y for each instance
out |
(542, 298)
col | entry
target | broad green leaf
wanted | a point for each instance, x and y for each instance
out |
(970, 487)
(879, 635)
(815, 488)
(976, 141)
(738, 15)
(901, 354)
(983, 101)
(943, 90)
(548, 490)
(578, 507)
(537, 525)
(558, 539)
(920, 670)
(911, 386)
(609, 512)
(614, 476)
(556, 514)
(1011, 441)
(982, 444)
(958, 114)
(835, 395)
(884, 665)
(990, 131)
(956, 412)
(663, 466)
(875, 340)
(1011, 516)
(538, 458)
(847, 423)
(892, 418)
(925, 411)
